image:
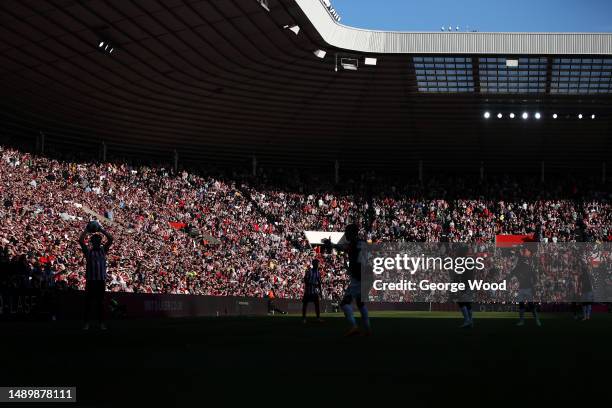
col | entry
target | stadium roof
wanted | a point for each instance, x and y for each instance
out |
(222, 80)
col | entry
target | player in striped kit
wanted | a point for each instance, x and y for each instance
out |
(95, 272)
(312, 290)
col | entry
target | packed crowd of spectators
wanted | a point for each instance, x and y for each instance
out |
(188, 233)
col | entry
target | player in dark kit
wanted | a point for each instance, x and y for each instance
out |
(586, 289)
(465, 298)
(525, 274)
(312, 290)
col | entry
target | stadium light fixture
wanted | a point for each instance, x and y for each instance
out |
(350, 64)
(512, 115)
(370, 61)
(487, 115)
(293, 28)
(593, 116)
(106, 46)
(320, 53)
(264, 4)
(499, 116)
(538, 115)
(555, 116)
(525, 115)
(580, 116)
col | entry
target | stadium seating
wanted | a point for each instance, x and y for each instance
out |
(189, 233)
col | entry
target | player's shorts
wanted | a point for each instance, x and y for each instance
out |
(310, 298)
(354, 289)
(587, 297)
(465, 297)
(525, 295)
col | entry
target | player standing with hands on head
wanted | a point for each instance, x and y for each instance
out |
(95, 272)
(312, 290)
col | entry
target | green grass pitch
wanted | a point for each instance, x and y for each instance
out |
(415, 358)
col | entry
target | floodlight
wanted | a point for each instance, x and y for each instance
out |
(555, 116)
(350, 64)
(499, 116)
(320, 53)
(537, 115)
(106, 46)
(512, 115)
(293, 28)
(370, 61)
(264, 4)
(487, 115)
(525, 115)
(593, 116)
(580, 116)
